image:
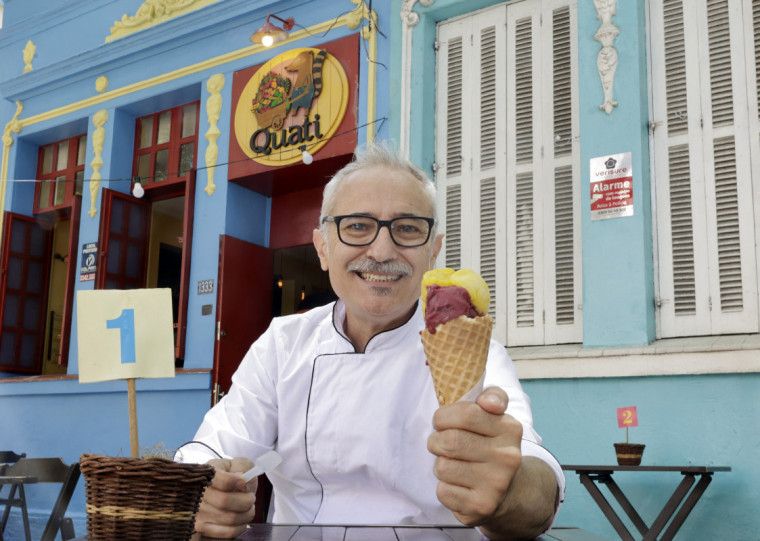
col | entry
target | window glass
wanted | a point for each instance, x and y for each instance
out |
(185, 158)
(188, 120)
(133, 261)
(164, 127)
(63, 156)
(34, 277)
(60, 190)
(26, 355)
(37, 242)
(146, 131)
(11, 311)
(8, 349)
(82, 150)
(45, 193)
(162, 160)
(31, 313)
(143, 167)
(114, 251)
(47, 159)
(117, 217)
(79, 184)
(18, 235)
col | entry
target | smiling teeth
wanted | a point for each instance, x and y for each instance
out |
(379, 277)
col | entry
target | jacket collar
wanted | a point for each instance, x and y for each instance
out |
(384, 339)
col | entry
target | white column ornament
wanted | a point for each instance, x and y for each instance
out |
(607, 59)
(409, 19)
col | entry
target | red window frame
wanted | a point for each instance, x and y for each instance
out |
(64, 181)
(173, 146)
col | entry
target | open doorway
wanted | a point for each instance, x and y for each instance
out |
(299, 281)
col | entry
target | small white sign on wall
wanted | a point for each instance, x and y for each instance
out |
(611, 186)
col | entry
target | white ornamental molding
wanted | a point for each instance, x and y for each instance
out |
(409, 19)
(607, 59)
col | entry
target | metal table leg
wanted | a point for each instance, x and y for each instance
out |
(625, 504)
(686, 508)
(670, 508)
(604, 505)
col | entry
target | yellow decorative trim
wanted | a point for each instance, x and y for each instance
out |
(98, 138)
(14, 126)
(101, 83)
(221, 60)
(213, 110)
(29, 51)
(152, 12)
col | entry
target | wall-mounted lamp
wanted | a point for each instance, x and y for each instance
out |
(270, 34)
(137, 190)
(307, 158)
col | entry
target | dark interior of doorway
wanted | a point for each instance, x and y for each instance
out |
(299, 281)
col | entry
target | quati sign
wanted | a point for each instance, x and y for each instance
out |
(298, 98)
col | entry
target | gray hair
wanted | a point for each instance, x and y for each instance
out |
(375, 154)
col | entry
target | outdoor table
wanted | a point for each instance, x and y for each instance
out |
(319, 532)
(685, 493)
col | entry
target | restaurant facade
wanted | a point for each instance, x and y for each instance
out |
(596, 161)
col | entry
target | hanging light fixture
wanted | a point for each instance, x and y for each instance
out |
(307, 158)
(137, 190)
(269, 34)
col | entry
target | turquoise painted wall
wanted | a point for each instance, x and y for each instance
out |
(684, 420)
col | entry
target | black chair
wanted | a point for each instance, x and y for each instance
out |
(42, 470)
(9, 457)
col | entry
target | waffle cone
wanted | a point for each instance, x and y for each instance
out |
(457, 355)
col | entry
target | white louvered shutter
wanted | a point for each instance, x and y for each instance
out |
(543, 191)
(470, 150)
(704, 150)
(507, 108)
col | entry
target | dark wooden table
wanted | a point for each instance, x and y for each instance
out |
(678, 507)
(312, 532)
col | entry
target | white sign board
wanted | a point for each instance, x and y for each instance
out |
(611, 186)
(125, 334)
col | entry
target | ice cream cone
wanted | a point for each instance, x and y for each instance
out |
(457, 354)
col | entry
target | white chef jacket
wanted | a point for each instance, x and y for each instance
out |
(352, 428)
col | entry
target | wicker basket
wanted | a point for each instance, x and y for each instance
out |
(142, 499)
(629, 454)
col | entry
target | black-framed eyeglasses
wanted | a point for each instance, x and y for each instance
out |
(362, 230)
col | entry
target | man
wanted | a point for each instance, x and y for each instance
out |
(343, 392)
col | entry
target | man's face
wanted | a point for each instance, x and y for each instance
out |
(379, 283)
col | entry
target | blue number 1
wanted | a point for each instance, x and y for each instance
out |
(126, 325)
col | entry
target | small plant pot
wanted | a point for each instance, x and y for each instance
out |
(629, 454)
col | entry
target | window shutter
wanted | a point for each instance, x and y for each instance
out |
(470, 138)
(512, 199)
(543, 198)
(703, 167)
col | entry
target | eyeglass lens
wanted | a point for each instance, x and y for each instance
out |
(359, 230)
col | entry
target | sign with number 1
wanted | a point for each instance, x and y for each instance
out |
(125, 334)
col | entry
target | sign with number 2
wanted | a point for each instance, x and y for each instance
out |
(627, 417)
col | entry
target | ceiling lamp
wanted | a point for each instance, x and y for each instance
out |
(270, 34)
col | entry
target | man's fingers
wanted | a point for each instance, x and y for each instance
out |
(493, 400)
(240, 465)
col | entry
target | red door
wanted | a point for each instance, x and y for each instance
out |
(243, 307)
(25, 266)
(124, 237)
(184, 284)
(71, 273)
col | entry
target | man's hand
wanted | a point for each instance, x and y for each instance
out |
(227, 504)
(482, 475)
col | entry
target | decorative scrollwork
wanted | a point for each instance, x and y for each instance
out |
(412, 18)
(152, 12)
(607, 59)
(214, 86)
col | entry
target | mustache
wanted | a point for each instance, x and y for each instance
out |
(390, 267)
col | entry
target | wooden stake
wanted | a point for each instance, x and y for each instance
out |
(134, 444)
(626, 434)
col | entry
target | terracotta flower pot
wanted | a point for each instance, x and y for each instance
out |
(629, 454)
